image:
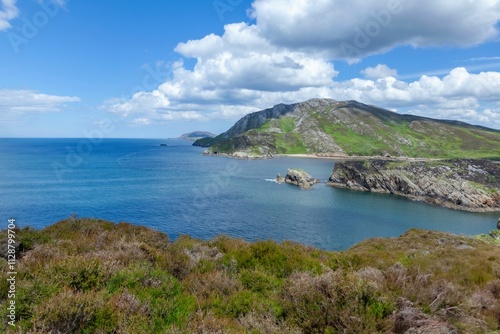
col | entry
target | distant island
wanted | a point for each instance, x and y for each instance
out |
(196, 135)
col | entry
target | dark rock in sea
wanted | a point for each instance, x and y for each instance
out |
(498, 223)
(163, 145)
(300, 178)
(462, 184)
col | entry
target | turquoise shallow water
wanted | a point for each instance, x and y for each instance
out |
(177, 190)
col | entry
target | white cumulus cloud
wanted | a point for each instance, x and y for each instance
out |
(286, 57)
(379, 71)
(356, 28)
(8, 12)
(236, 69)
(459, 95)
(22, 101)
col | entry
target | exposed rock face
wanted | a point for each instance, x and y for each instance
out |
(300, 178)
(470, 185)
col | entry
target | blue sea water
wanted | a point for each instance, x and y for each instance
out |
(178, 191)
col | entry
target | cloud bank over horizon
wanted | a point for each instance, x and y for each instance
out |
(292, 51)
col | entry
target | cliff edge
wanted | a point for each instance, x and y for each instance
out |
(462, 184)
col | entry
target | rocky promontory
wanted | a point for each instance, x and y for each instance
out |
(299, 178)
(462, 184)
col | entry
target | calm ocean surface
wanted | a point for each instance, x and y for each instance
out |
(178, 191)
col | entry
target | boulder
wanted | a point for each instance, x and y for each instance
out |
(300, 178)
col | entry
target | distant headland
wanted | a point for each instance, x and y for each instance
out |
(196, 135)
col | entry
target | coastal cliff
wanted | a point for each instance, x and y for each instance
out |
(463, 184)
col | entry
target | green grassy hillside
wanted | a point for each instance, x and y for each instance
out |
(352, 128)
(93, 276)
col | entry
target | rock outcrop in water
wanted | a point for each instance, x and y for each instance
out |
(470, 185)
(280, 179)
(300, 178)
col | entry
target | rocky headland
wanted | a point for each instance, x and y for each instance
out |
(462, 184)
(346, 129)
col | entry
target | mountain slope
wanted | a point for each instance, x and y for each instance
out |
(351, 128)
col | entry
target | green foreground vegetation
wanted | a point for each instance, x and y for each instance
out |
(93, 276)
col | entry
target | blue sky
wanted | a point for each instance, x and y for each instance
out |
(157, 69)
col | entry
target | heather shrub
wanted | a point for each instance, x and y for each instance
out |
(243, 302)
(258, 281)
(207, 323)
(494, 288)
(92, 276)
(74, 312)
(272, 258)
(79, 274)
(265, 323)
(211, 284)
(373, 277)
(29, 237)
(332, 302)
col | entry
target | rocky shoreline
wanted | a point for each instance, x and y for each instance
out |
(459, 184)
(462, 184)
(328, 156)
